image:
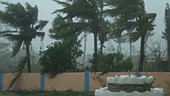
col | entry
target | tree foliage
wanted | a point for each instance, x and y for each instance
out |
(88, 13)
(131, 14)
(25, 22)
(60, 58)
(62, 55)
(128, 14)
(113, 62)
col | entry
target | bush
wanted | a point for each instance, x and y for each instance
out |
(59, 57)
(112, 62)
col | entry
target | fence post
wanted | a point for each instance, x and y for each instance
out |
(86, 82)
(0, 81)
(42, 82)
(138, 74)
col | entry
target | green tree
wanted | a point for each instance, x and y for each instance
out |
(145, 25)
(131, 14)
(62, 55)
(104, 24)
(120, 40)
(88, 12)
(25, 21)
(113, 62)
(57, 58)
(166, 34)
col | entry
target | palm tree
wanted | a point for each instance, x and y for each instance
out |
(25, 21)
(120, 40)
(167, 30)
(88, 11)
(104, 24)
(105, 29)
(145, 25)
(131, 14)
(129, 33)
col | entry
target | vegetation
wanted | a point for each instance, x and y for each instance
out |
(100, 80)
(105, 19)
(24, 21)
(166, 34)
(113, 62)
(90, 17)
(62, 55)
(57, 58)
(131, 14)
(116, 20)
(44, 93)
(167, 91)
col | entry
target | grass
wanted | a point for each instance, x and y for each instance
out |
(44, 93)
(167, 91)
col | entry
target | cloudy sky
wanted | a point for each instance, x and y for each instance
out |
(46, 7)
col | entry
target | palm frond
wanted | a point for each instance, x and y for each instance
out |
(16, 48)
(6, 32)
(87, 10)
(64, 29)
(11, 37)
(17, 16)
(135, 36)
(19, 69)
(41, 24)
(17, 39)
(5, 3)
(32, 12)
(40, 34)
(149, 16)
(141, 31)
(8, 19)
(13, 15)
(64, 4)
(13, 8)
(58, 21)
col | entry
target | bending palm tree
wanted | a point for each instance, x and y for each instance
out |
(131, 14)
(24, 20)
(88, 11)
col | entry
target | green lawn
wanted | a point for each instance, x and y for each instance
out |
(44, 93)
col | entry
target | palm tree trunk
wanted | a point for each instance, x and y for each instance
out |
(168, 52)
(130, 49)
(95, 53)
(101, 47)
(28, 57)
(142, 54)
(119, 48)
(85, 42)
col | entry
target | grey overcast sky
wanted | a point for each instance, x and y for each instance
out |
(46, 7)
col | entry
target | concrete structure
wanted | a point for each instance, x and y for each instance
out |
(71, 81)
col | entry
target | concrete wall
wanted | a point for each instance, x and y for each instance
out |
(71, 81)
(25, 81)
(66, 81)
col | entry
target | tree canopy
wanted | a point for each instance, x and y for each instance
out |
(24, 21)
